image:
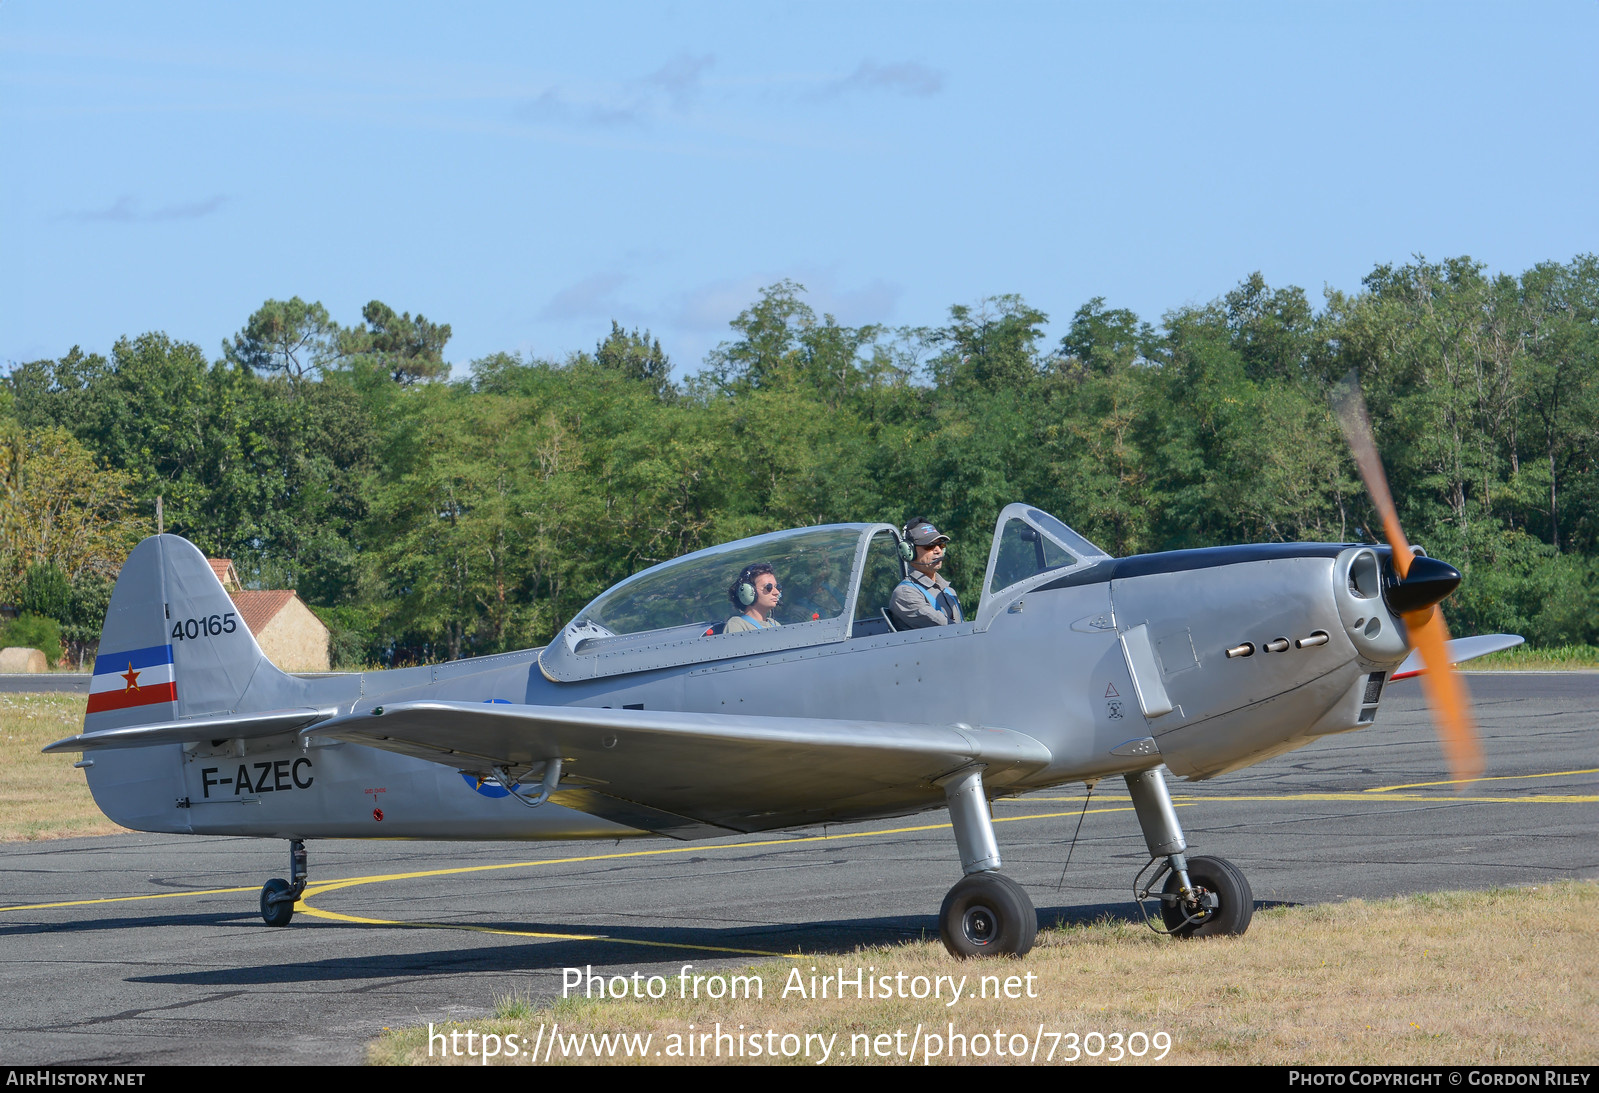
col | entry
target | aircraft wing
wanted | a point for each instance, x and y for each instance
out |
(1460, 651)
(676, 773)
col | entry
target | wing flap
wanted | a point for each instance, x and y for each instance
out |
(742, 773)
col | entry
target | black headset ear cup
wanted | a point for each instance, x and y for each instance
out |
(746, 593)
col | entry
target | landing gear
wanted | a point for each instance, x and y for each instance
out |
(1218, 902)
(1202, 897)
(985, 914)
(278, 896)
(277, 902)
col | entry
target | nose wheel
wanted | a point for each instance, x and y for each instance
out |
(1218, 901)
(987, 914)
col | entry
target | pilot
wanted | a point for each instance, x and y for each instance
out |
(755, 595)
(924, 598)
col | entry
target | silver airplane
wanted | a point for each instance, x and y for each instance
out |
(642, 718)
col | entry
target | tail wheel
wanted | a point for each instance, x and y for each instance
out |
(277, 902)
(1194, 916)
(987, 914)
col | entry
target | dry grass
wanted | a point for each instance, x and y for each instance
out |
(1508, 976)
(42, 796)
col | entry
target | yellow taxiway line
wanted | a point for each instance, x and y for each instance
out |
(1495, 778)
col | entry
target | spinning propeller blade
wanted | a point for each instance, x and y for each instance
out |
(1423, 582)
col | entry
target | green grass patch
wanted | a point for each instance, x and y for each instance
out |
(1525, 658)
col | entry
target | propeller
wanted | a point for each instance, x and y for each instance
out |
(1423, 582)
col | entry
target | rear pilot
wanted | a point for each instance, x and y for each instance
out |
(755, 595)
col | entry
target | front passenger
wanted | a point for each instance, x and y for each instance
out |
(924, 598)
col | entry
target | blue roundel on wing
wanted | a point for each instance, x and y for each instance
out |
(487, 787)
(484, 786)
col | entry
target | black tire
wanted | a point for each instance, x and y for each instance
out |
(1219, 876)
(272, 912)
(987, 914)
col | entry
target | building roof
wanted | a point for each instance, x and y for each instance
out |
(223, 568)
(259, 608)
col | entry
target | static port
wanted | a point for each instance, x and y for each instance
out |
(1277, 645)
(1247, 649)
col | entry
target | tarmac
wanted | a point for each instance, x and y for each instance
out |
(149, 949)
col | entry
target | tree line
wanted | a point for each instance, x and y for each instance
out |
(427, 516)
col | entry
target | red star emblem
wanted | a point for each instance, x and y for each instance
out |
(132, 677)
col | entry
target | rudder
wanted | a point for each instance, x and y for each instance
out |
(174, 645)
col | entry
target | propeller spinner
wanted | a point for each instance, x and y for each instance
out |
(1422, 583)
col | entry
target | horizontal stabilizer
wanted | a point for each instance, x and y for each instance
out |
(735, 772)
(246, 726)
(1460, 651)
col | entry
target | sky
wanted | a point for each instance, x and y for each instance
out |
(528, 172)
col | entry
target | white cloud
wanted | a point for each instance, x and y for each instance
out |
(126, 210)
(594, 295)
(679, 78)
(905, 77)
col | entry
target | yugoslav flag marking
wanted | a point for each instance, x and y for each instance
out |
(139, 677)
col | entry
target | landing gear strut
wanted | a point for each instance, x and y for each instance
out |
(986, 913)
(1202, 897)
(278, 896)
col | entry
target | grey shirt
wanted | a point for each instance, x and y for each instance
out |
(910, 607)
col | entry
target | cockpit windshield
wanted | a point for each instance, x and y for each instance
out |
(1030, 541)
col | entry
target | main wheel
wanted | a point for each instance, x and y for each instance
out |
(276, 911)
(987, 914)
(1218, 877)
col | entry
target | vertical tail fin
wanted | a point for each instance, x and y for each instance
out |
(173, 645)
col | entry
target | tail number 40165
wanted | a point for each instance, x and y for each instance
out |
(208, 627)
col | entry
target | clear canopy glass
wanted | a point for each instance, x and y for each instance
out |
(1030, 541)
(813, 565)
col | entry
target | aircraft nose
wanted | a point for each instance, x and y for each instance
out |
(1428, 582)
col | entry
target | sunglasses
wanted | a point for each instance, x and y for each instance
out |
(770, 586)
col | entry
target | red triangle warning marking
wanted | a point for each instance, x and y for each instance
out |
(1111, 691)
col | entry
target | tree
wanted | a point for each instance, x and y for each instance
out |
(411, 350)
(993, 346)
(1095, 442)
(768, 346)
(635, 357)
(65, 510)
(287, 337)
(1560, 385)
